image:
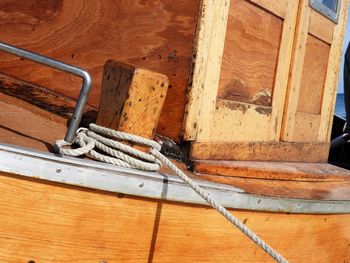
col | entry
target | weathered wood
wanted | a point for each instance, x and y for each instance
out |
(157, 35)
(261, 151)
(211, 77)
(201, 50)
(131, 99)
(289, 171)
(210, 119)
(321, 27)
(285, 188)
(306, 127)
(250, 55)
(42, 98)
(23, 124)
(313, 76)
(332, 79)
(296, 71)
(47, 222)
(277, 8)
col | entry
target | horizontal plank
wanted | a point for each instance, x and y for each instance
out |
(314, 190)
(46, 222)
(321, 27)
(289, 171)
(278, 8)
(261, 151)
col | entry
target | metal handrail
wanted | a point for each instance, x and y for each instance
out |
(84, 91)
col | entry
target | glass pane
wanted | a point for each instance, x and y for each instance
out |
(331, 4)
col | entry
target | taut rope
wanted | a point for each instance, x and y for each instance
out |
(126, 156)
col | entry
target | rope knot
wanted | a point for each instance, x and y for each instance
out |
(106, 145)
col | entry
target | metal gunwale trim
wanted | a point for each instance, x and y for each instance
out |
(84, 92)
(105, 177)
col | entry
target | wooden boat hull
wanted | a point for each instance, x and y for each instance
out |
(47, 221)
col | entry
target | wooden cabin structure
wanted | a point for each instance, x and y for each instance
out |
(245, 88)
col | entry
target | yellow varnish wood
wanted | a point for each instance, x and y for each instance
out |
(314, 76)
(261, 151)
(131, 99)
(321, 26)
(331, 83)
(207, 116)
(46, 222)
(278, 8)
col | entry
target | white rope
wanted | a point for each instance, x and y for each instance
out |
(127, 156)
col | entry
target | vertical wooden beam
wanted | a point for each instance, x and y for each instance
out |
(131, 99)
(206, 74)
(331, 85)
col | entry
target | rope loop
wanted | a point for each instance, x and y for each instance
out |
(124, 155)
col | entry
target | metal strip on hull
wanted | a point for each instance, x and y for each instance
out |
(100, 176)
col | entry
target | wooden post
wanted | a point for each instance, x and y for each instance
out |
(131, 99)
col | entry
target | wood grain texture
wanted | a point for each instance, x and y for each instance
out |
(332, 79)
(313, 76)
(278, 8)
(212, 69)
(208, 48)
(306, 127)
(42, 98)
(156, 35)
(296, 71)
(261, 151)
(321, 27)
(289, 171)
(284, 64)
(250, 55)
(47, 222)
(231, 118)
(131, 99)
(23, 124)
(209, 120)
(313, 190)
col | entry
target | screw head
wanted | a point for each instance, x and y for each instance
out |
(58, 170)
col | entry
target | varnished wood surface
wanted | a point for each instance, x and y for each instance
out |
(251, 53)
(261, 151)
(214, 119)
(321, 27)
(313, 190)
(313, 76)
(289, 171)
(131, 99)
(51, 223)
(42, 98)
(23, 124)
(156, 35)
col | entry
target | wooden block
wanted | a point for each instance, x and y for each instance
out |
(261, 151)
(132, 99)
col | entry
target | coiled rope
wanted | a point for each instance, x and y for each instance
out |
(126, 156)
